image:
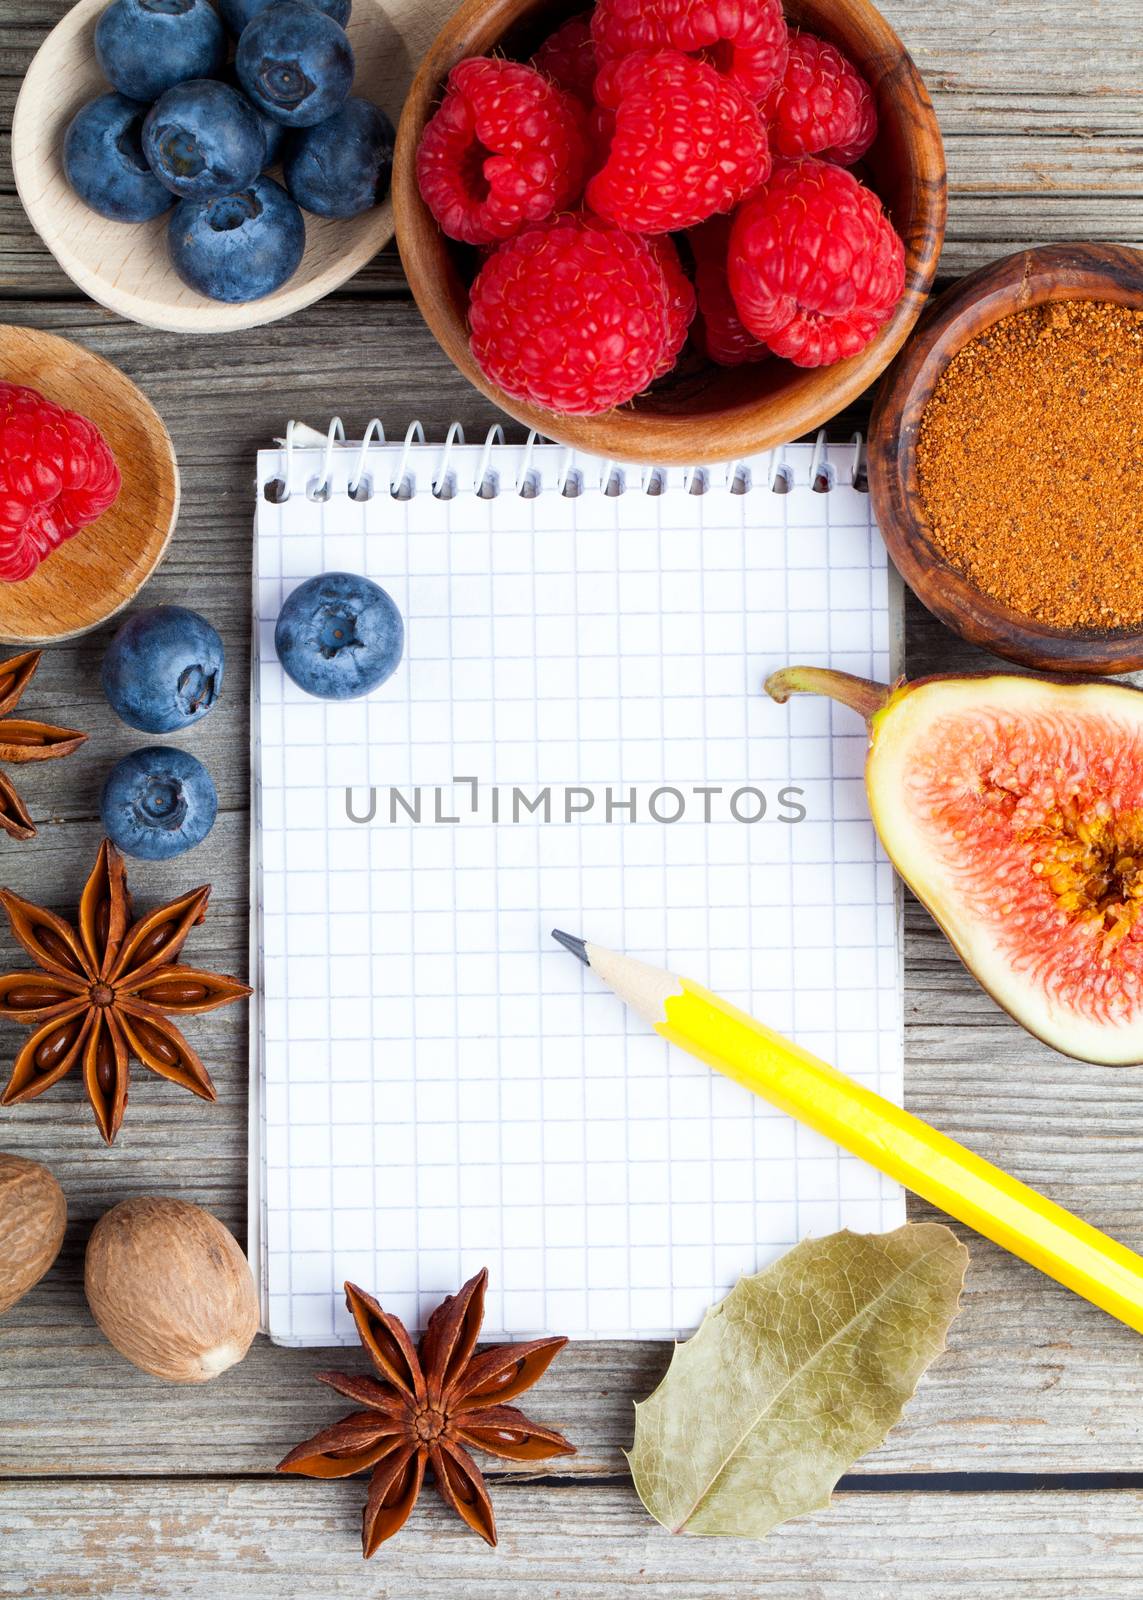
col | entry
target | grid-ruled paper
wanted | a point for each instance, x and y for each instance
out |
(438, 1086)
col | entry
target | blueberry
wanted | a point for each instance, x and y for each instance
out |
(204, 139)
(295, 63)
(339, 636)
(273, 132)
(104, 161)
(237, 13)
(341, 167)
(239, 247)
(163, 669)
(145, 47)
(157, 803)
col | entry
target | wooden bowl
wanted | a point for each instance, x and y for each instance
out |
(1028, 278)
(125, 265)
(102, 568)
(711, 413)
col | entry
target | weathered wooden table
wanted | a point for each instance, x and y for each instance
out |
(1017, 1470)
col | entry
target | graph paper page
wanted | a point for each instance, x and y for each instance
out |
(438, 1086)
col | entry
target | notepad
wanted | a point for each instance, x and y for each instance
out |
(576, 737)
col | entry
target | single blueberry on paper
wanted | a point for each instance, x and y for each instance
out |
(145, 47)
(104, 162)
(296, 63)
(799, 1371)
(239, 247)
(339, 636)
(163, 669)
(204, 139)
(157, 803)
(341, 167)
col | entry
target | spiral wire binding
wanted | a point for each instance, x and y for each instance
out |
(403, 487)
(570, 480)
(359, 474)
(610, 477)
(444, 487)
(527, 483)
(486, 480)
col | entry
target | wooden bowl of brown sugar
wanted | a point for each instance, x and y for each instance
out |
(1006, 458)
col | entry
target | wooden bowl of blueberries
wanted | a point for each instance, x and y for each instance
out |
(659, 241)
(203, 169)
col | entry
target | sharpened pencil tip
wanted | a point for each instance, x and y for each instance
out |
(570, 942)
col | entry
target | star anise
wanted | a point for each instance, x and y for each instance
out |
(104, 990)
(22, 741)
(428, 1406)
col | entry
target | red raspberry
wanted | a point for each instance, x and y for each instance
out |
(600, 132)
(571, 315)
(720, 330)
(815, 267)
(822, 106)
(745, 39)
(56, 475)
(687, 143)
(568, 58)
(504, 148)
(680, 295)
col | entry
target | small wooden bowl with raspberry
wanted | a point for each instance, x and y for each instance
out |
(70, 420)
(614, 372)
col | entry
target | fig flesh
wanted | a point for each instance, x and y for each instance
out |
(1013, 809)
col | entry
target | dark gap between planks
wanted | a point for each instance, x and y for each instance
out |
(874, 1483)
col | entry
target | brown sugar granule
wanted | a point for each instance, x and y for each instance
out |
(1030, 464)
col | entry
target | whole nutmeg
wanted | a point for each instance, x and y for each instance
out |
(170, 1289)
(33, 1216)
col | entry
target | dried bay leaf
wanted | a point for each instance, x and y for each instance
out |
(798, 1372)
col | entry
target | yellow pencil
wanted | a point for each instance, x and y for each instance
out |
(974, 1191)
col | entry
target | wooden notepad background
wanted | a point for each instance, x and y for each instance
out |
(436, 1087)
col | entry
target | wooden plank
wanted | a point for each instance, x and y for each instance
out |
(1008, 200)
(1034, 1380)
(1004, 196)
(1064, 51)
(1023, 50)
(1025, 157)
(292, 1540)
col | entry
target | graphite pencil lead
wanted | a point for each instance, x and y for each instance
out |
(569, 941)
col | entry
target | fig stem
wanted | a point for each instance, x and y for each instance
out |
(861, 695)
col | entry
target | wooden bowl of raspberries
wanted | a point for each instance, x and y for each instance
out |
(655, 242)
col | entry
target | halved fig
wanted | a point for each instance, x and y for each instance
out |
(1013, 808)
